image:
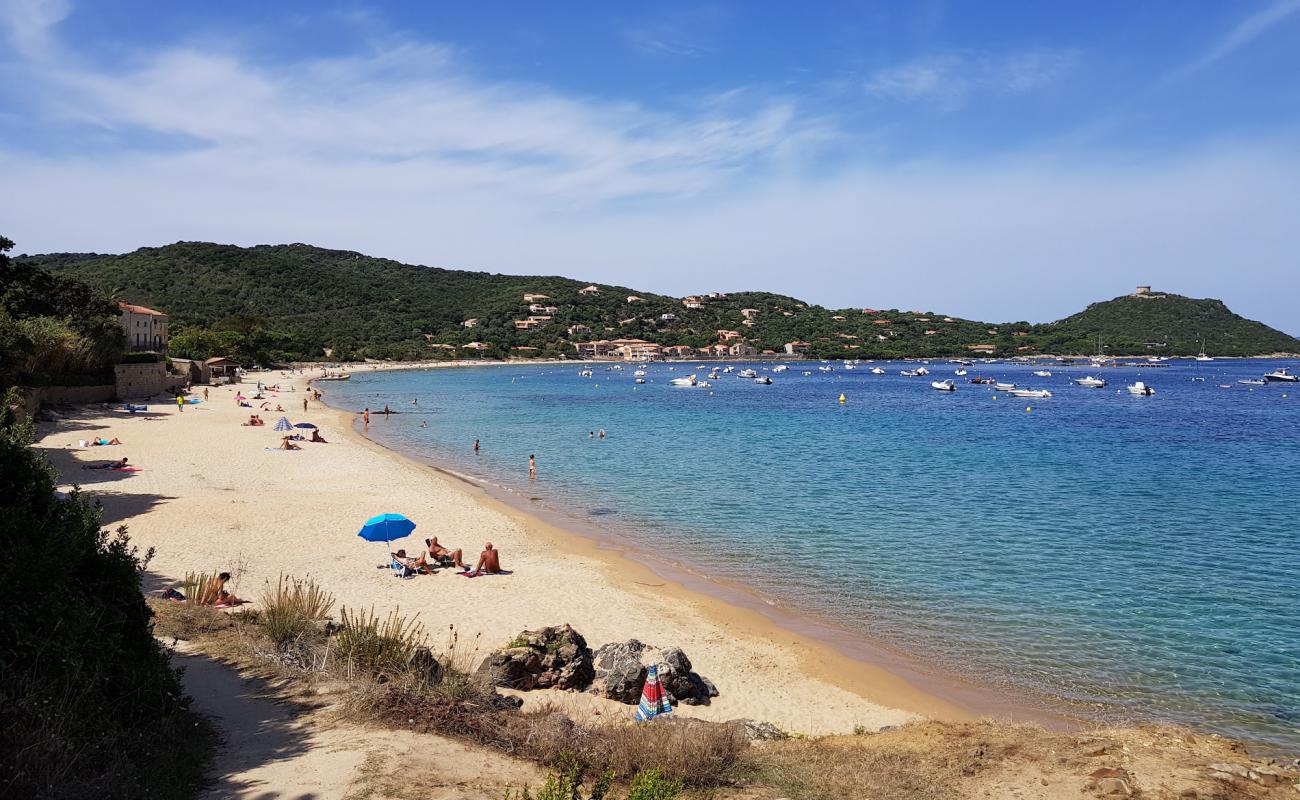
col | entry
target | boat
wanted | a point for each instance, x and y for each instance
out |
(943, 386)
(640, 380)
(342, 376)
(747, 373)
(807, 373)
(1281, 376)
(713, 376)
(877, 371)
(960, 373)
(703, 385)
(909, 373)
(1042, 373)
(763, 381)
(1253, 382)
(1203, 357)
(922, 371)
(1140, 389)
(689, 380)
(826, 369)
(780, 368)
(1090, 382)
(1040, 393)
(728, 369)
(584, 373)
(1004, 387)
(639, 373)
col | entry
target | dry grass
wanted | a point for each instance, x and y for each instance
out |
(293, 608)
(186, 620)
(366, 646)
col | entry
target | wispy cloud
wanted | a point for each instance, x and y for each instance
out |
(1244, 32)
(27, 24)
(950, 80)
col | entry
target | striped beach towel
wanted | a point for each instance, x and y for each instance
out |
(654, 700)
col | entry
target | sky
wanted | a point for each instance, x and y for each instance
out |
(1001, 161)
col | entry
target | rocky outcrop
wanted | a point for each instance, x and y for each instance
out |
(552, 658)
(620, 670)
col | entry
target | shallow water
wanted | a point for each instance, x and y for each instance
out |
(1135, 557)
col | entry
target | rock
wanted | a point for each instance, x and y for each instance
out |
(760, 731)
(556, 657)
(1231, 770)
(620, 672)
(1114, 786)
(620, 669)
(505, 702)
(424, 661)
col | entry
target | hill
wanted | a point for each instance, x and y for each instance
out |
(296, 300)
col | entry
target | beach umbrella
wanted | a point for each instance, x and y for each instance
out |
(283, 425)
(386, 528)
(303, 425)
(654, 700)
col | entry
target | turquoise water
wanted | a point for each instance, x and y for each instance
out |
(1134, 557)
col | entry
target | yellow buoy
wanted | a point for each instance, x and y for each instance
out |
(843, 399)
(1027, 408)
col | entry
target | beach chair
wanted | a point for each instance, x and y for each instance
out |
(401, 570)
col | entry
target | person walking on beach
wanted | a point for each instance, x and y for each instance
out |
(386, 411)
(532, 467)
(365, 416)
(180, 404)
(205, 393)
(304, 405)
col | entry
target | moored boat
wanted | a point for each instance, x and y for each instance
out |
(1042, 373)
(1040, 393)
(1140, 389)
(944, 386)
(689, 380)
(877, 371)
(1090, 382)
(1281, 376)
(1004, 387)
(747, 373)
(763, 380)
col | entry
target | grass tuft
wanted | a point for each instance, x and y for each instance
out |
(292, 609)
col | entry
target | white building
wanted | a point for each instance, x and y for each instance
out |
(145, 328)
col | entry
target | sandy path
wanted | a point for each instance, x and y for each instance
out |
(211, 496)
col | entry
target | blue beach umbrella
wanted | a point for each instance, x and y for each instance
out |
(303, 425)
(386, 528)
(283, 425)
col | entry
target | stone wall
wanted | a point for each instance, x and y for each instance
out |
(144, 380)
(32, 399)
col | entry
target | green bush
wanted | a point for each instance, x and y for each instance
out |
(368, 646)
(88, 698)
(652, 785)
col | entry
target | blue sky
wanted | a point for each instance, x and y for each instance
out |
(997, 160)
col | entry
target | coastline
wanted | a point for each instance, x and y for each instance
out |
(847, 659)
(212, 494)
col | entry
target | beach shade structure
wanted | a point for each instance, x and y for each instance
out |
(654, 700)
(386, 528)
(283, 425)
(303, 425)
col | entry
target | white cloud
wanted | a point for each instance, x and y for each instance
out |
(1246, 31)
(28, 24)
(950, 80)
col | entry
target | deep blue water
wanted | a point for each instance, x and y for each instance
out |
(1134, 556)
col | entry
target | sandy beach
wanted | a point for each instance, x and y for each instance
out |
(210, 495)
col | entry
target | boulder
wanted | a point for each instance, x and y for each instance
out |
(620, 670)
(556, 657)
(761, 731)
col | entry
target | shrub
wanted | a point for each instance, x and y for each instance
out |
(367, 646)
(565, 783)
(90, 702)
(652, 785)
(293, 607)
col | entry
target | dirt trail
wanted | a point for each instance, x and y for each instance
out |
(272, 751)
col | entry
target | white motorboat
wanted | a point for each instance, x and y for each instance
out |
(1040, 393)
(1203, 357)
(713, 376)
(703, 385)
(943, 386)
(1253, 382)
(826, 369)
(1140, 389)
(728, 369)
(780, 368)
(1042, 373)
(1281, 376)
(763, 381)
(689, 380)
(640, 380)
(960, 373)
(747, 373)
(922, 371)
(1090, 382)
(877, 371)
(1004, 387)
(850, 366)
(584, 373)
(807, 373)
(909, 373)
(639, 373)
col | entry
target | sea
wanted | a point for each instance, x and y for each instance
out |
(1122, 557)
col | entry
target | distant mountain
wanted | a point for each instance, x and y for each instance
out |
(302, 299)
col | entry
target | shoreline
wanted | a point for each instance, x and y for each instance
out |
(848, 659)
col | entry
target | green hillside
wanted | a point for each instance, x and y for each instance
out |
(294, 301)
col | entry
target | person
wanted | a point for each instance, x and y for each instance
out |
(386, 411)
(215, 593)
(304, 405)
(180, 403)
(424, 423)
(532, 466)
(316, 437)
(285, 444)
(205, 393)
(414, 564)
(601, 435)
(365, 416)
(489, 561)
(119, 464)
(439, 553)
(415, 401)
(103, 442)
(476, 445)
(591, 434)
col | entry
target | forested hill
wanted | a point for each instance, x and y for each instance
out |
(295, 300)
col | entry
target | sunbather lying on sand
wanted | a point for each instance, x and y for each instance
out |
(285, 444)
(489, 561)
(254, 421)
(103, 442)
(440, 554)
(119, 464)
